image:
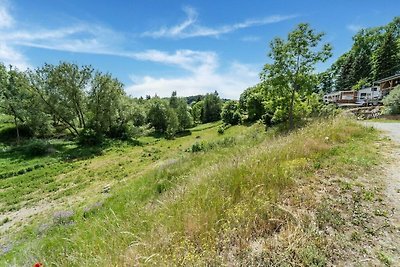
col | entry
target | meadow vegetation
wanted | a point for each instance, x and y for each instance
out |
(90, 176)
(249, 203)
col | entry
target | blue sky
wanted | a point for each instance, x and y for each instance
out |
(194, 47)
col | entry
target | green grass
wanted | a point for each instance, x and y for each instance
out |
(70, 170)
(220, 206)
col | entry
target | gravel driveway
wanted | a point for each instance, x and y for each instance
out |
(390, 129)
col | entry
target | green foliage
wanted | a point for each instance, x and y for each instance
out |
(360, 84)
(211, 108)
(89, 137)
(386, 58)
(173, 125)
(62, 90)
(291, 75)
(18, 101)
(251, 101)
(221, 129)
(180, 107)
(230, 113)
(197, 111)
(392, 102)
(157, 114)
(105, 110)
(374, 55)
(36, 147)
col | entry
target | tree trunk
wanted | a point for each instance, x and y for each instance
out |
(17, 128)
(291, 108)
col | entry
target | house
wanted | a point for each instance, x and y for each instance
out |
(388, 83)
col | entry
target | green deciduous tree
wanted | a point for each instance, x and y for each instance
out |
(230, 113)
(294, 60)
(18, 100)
(181, 108)
(211, 108)
(197, 111)
(62, 89)
(105, 104)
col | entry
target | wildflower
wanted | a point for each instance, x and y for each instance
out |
(38, 264)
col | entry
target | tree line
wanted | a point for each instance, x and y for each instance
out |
(55, 100)
(375, 54)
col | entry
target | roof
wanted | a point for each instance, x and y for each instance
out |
(388, 78)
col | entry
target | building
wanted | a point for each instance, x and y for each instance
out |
(388, 83)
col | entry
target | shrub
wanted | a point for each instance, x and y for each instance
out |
(392, 102)
(221, 129)
(36, 147)
(89, 137)
(197, 147)
(122, 132)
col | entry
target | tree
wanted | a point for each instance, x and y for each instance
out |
(251, 101)
(18, 100)
(173, 101)
(343, 70)
(386, 57)
(179, 105)
(185, 119)
(197, 111)
(211, 108)
(105, 105)
(292, 71)
(230, 113)
(62, 89)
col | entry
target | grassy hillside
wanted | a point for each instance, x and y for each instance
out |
(243, 198)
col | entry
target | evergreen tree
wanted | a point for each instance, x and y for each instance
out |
(386, 59)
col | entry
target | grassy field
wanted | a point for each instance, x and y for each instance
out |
(242, 198)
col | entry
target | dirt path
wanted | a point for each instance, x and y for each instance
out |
(392, 174)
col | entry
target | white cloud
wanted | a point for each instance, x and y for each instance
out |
(354, 27)
(203, 80)
(189, 27)
(251, 38)
(6, 20)
(186, 59)
(11, 56)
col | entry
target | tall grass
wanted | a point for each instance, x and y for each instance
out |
(226, 206)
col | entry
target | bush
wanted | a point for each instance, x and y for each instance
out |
(36, 147)
(392, 102)
(197, 147)
(221, 129)
(89, 137)
(122, 132)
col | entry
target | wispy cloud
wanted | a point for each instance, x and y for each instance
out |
(6, 20)
(229, 84)
(201, 68)
(251, 38)
(190, 28)
(186, 59)
(354, 27)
